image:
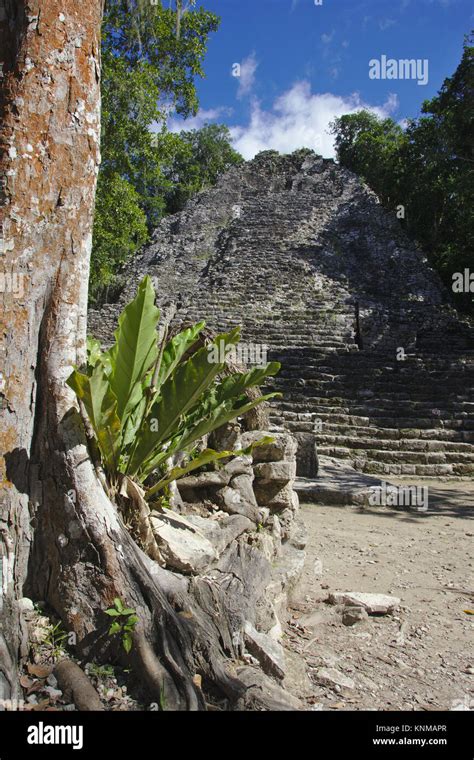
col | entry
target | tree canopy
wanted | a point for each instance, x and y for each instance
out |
(151, 56)
(194, 160)
(427, 168)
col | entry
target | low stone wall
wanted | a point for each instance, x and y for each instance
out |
(237, 526)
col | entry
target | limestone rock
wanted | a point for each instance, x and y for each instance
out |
(264, 541)
(25, 604)
(239, 466)
(264, 515)
(287, 521)
(279, 472)
(274, 496)
(318, 568)
(221, 532)
(175, 500)
(283, 447)
(352, 615)
(334, 679)
(266, 650)
(298, 534)
(205, 479)
(271, 611)
(289, 566)
(295, 501)
(226, 438)
(232, 502)
(276, 533)
(375, 604)
(296, 679)
(181, 544)
(243, 484)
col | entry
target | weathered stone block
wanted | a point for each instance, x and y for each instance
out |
(266, 650)
(239, 466)
(226, 438)
(279, 472)
(221, 532)
(307, 455)
(205, 479)
(273, 496)
(182, 545)
(283, 447)
(375, 604)
(232, 502)
(243, 484)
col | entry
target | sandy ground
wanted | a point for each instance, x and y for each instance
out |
(422, 656)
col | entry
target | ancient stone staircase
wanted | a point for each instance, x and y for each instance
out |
(291, 248)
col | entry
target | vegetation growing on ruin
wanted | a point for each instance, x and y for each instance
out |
(426, 171)
(147, 397)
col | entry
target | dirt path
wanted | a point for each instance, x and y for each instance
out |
(422, 656)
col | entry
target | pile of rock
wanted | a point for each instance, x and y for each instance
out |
(236, 526)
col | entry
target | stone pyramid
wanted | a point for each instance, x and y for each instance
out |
(377, 366)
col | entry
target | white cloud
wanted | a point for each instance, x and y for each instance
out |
(386, 23)
(327, 38)
(299, 118)
(248, 68)
(202, 117)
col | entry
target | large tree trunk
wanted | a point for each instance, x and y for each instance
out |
(61, 538)
(49, 155)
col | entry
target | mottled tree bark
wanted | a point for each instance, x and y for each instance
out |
(49, 156)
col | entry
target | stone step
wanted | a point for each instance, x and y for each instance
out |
(438, 434)
(376, 422)
(410, 418)
(425, 470)
(385, 456)
(456, 410)
(456, 449)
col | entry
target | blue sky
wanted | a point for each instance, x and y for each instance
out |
(302, 64)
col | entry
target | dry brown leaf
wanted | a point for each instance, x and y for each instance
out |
(40, 671)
